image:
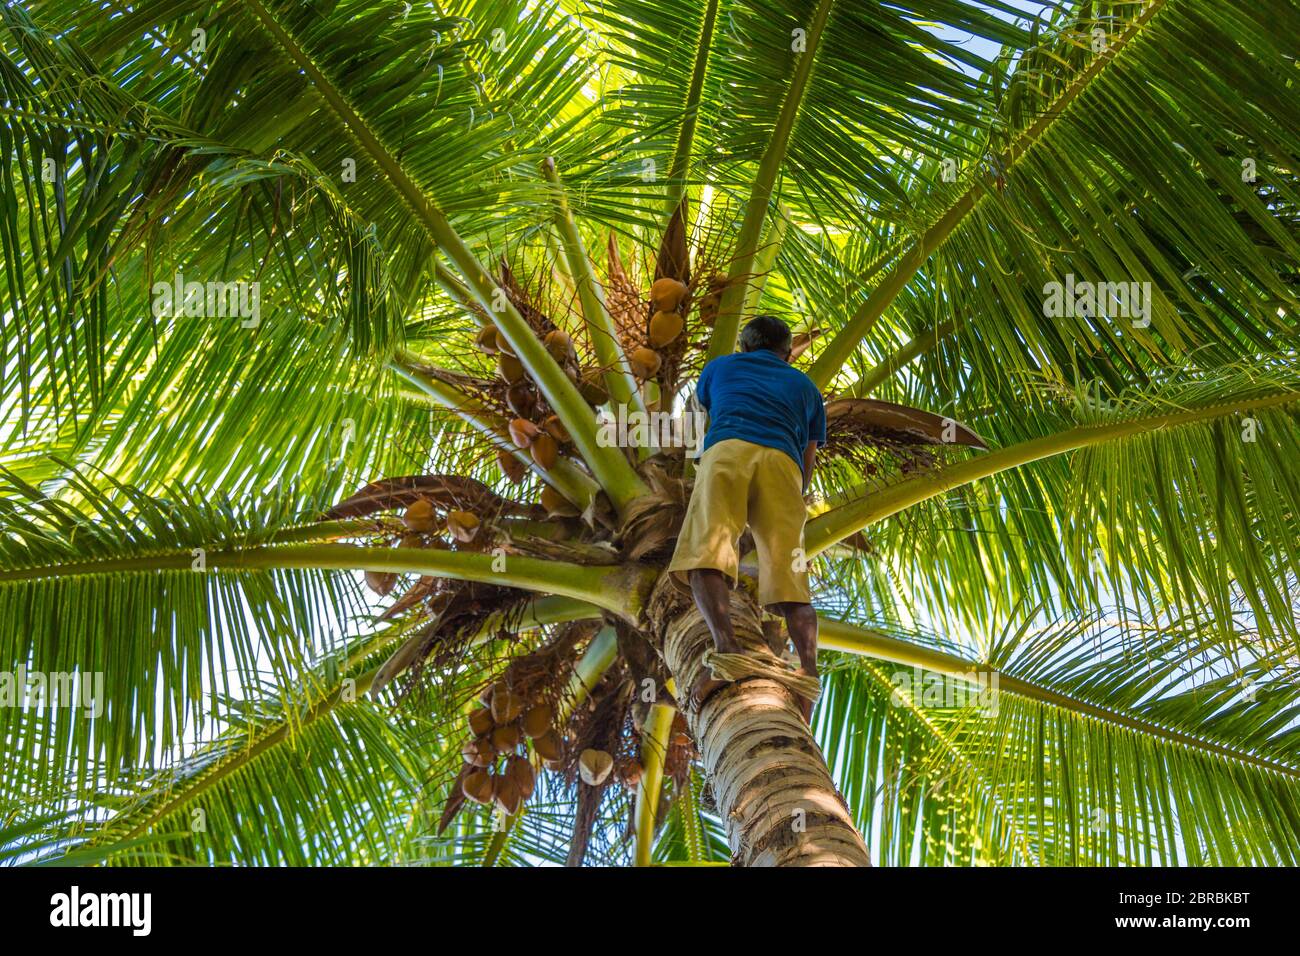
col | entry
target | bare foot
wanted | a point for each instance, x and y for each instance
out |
(728, 647)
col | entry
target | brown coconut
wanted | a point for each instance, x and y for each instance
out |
(480, 721)
(592, 387)
(523, 432)
(478, 786)
(420, 517)
(594, 766)
(666, 294)
(505, 738)
(559, 344)
(521, 399)
(664, 327)
(709, 306)
(538, 719)
(508, 796)
(545, 450)
(555, 428)
(628, 771)
(556, 504)
(381, 582)
(463, 525)
(510, 368)
(479, 752)
(521, 772)
(645, 362)
(549, 746)
(507, 706)
(486, 340)
(511, 467)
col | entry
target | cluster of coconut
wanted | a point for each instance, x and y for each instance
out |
(425, 529)
(668, 301)
(596, 766)
(500, 726)
(543, 436)
(709, 304)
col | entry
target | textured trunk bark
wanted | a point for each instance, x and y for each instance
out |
(770, 781)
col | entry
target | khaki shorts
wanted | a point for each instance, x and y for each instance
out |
(739, 483)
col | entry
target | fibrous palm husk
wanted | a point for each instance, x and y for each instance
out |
(643, 664)
(898, 424)
(448, 492)
(674, 260)
(652, 522)
(602, 726)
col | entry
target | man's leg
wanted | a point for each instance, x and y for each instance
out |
(712, 594)
(801, 622)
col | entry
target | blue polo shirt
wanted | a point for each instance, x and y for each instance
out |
(757, 397)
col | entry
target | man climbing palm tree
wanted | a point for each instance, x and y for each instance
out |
(766, 420)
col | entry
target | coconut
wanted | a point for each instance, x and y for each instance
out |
(521, 772)
(508, 796)
(478, 786)
(486, 340)
(381, 582)
(559, 344)
(510, 368)
(545, 451)
(549, 746)
(592, 387)
(503, 344)
(664, 327)
(537, 720)
(594, 766)
(505, 738)
(506, 705)
(645, 362)
(479, 752)
(480, 721)
(556, 504)
(628, 771)
(680, 734)
(555, 428)
(709, 306)
(523, 432)
(521, 399)
(420, 516)
(666, 294)
(463, 525)
(438, 602)
(511, 467)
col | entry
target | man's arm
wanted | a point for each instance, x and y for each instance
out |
(816, 436)
(809, 463)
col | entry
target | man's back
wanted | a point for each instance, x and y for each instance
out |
(759, 398)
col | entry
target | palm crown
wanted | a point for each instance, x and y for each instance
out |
(261, 256)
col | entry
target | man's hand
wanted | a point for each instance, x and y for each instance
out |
(809, 463)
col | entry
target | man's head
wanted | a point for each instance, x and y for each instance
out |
(766, 332)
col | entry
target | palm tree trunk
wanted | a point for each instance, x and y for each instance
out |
(773, 790)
